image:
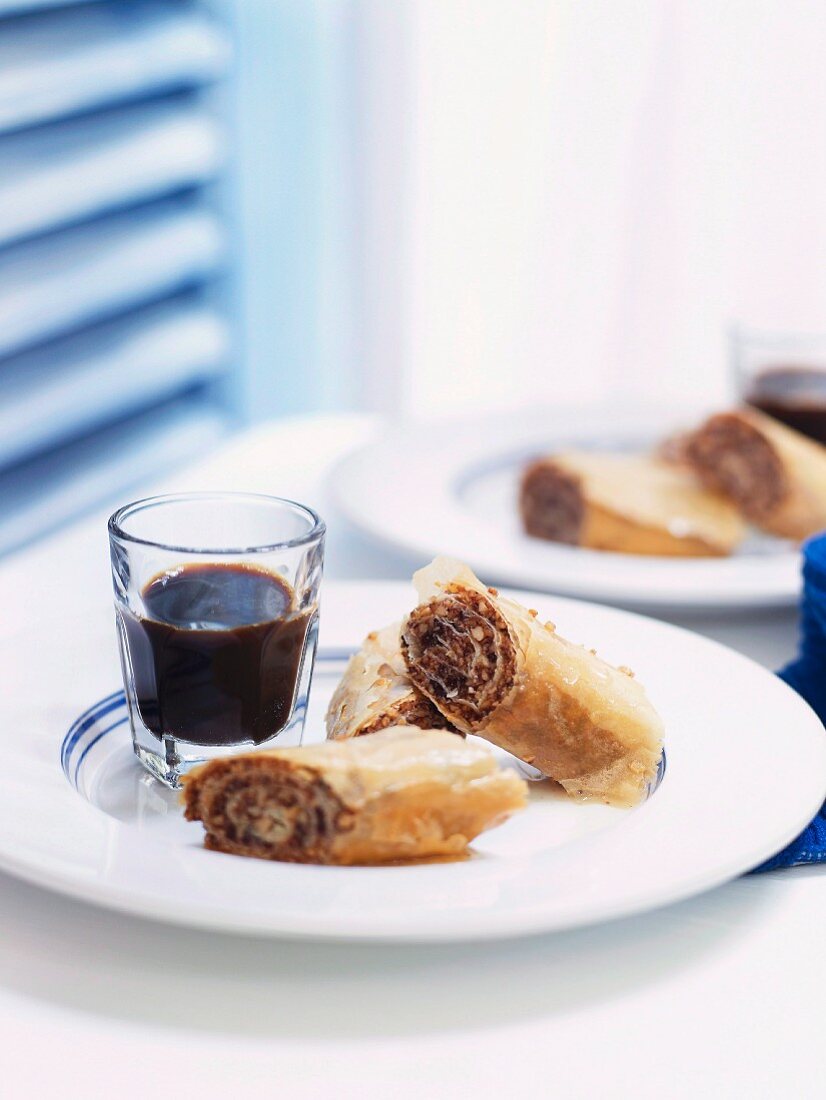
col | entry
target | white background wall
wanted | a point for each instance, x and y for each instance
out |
(458, 204)
(586, 193)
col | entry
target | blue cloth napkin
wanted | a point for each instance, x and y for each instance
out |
(809, 847)
(807, 675)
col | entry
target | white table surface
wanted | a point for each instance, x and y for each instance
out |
(719, 996)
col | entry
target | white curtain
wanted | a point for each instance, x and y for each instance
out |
(577, 197)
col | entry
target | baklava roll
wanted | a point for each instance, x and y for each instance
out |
(773, 474)
(626, 503)
(401, 794)
(375, 692)
(494, 670)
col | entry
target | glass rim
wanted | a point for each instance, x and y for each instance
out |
(773, 337)
(114, 525)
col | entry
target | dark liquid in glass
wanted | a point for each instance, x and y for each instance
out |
(794, 395)
(216, 659)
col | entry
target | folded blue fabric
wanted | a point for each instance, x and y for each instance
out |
(807, 675)
(809, 847)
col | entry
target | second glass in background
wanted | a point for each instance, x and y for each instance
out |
(783, 375)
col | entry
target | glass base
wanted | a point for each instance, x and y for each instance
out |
(169, 758)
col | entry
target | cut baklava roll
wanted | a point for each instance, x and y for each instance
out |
(401, 794)
(773, 474)
(493, 669)
(626, 503)
(375, 692)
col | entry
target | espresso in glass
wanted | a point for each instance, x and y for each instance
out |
(783, 375)
(794, 395)
(216, 658)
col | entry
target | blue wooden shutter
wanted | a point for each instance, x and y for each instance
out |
(114, 329)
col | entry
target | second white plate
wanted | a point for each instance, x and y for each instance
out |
(452, 489)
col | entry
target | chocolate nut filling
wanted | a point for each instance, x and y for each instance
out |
(732, 457)
(460, 654)
(551, 504)
(417, 711)
(265, 810)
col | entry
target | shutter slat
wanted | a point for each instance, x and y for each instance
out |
(52, 285)
(62, 62)
(77, 384)
(62, 173)
(41, 495)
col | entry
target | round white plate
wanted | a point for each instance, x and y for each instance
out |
(746, 772)
(452, 489)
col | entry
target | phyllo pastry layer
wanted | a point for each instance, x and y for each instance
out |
(375, 692)
(401, 794)
(626, 503)
(493, 669)
(773, 474)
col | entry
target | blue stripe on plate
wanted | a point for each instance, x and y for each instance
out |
(87, 722)
(91, 744)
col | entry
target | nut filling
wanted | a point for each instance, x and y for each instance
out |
(257, 811)
(416, 711)
(551, 503)
(732, 457)
(459, 653)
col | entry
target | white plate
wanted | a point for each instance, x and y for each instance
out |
(452, 489)
(746, 772)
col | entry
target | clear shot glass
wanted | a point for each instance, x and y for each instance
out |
(216, 599)
(782, 374)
